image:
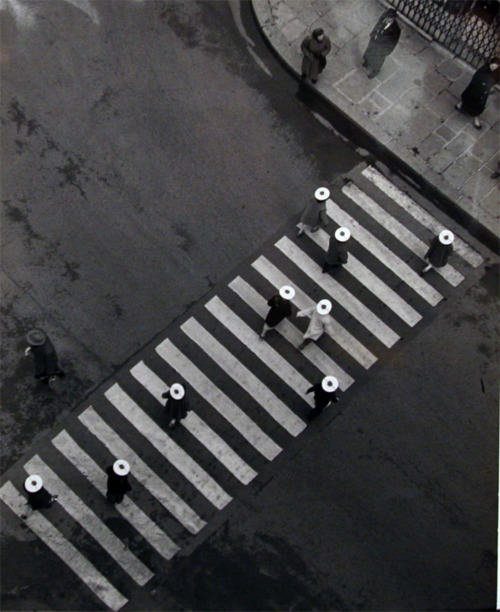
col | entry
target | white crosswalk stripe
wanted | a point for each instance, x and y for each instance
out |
(263, 351)
(384, 254)
(197, 427)
(57, 542)
(397, 229)
(338, 293)
(142, 472)
(420, 214)
(149, 530)
(219, 400)
(244, 377)
(164, 444)
(89, 520)
(372, 282)
(312, 352)
(342, 337)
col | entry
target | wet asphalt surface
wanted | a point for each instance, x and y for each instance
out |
(145, 161)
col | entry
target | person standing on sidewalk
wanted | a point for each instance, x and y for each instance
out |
(324, 394)
(383, 39)
(320, 322)
(44, 355)
(475, 95)
(315, 48)
(176, 405)
(118, 483)
(38, 496)
(336, 256)
(439, 251)
(280, 308)
(314, 213)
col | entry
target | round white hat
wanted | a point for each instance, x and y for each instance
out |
(33, 483)
(177, 391)
(330, 383)
(342, 234)
(121, 467)
(323, 307)
(322, 193)
(446, 237)
(287, 292)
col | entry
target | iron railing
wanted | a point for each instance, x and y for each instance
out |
(468, 28)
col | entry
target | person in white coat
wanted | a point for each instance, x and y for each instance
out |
(319, 323)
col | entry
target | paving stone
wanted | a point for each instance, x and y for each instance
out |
(321, 6)
(431, 145)
(336, 68)
(443, 104)
(396, 84)
(293, 30)
(458, 172)
(356, 85)
(393, 120)
(445, 132)
(460, 144)
(308, 15)
(441, 160)
(435, 83)
(378, 101)
(486, 145)
(282, 14)
(296, 6)
(413, 97)
(480, 184)
(451, 69)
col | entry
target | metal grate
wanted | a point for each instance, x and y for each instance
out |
(468, 28)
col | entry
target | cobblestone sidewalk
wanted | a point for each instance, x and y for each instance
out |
(409, 106)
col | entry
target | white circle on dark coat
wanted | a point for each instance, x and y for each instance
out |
(321, 194)
(177, 391)
(121, 467)
(33, 483)
(446, 237)
(323, 307)
(329, 383)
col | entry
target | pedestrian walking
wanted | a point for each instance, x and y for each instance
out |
(337, 255)
(324, 394)
(439, 251)
(44, 355)
(118, 483)
(383, 39)
(314, 213)
(280, 308)
(175, 405)
(38, 496)
(315, 48)
(496, 173)
(475, 95)
(319, 323)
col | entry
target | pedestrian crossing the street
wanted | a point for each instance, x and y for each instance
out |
(246, 395)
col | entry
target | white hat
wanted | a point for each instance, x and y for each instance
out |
(342, 234)
(287, 292)
(323, 307)
(177, 391)
(121, 467)
(330, 383)
(446, 237)
(33, 483)
(322, 193)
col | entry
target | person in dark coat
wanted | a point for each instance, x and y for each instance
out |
(280, 308)
(315, 48)
(175, 405)
(38, 496)
(324, 394)
(314, 213)
(439, 251)
(44, 355)
(337, 255)
(475, 95)
(118, 483)
(383, 39)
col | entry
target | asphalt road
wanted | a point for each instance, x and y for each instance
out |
(145, 161)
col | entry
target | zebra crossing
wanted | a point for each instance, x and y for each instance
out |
(247, 395)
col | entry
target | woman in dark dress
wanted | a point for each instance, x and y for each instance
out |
(439, 251)
(44, 355)
(118, 483)
(176, 405)
(324, 394)
(383, 39)
(38, 496)
(315, 48)
(336, 256)
(475, 95)
(280, 308)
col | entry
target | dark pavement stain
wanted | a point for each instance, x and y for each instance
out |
(490, 281)
(71, 172)
(71, 271)
(17, 114)
(182, 24)
(186, 242)
(19, 216)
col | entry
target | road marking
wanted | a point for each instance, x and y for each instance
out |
(312, 352)
(145, 475)
(401, 269)
(243, 377)
(89, 520)
(342, 337)
(398, 230)
(372, 282)
(55, 540)
(271, 358)
(149, 530)
(420, 214)
(197, 427)
(164, 444)
(219, 400)
(338, 292)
